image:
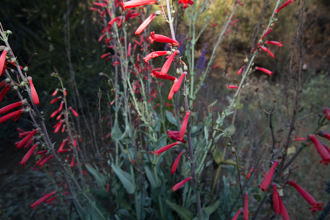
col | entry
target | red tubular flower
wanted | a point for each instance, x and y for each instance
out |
(249, 174)
(276, 43)
(58, 126)
(264, 70)
(266, 33)
(185, 3)
(45, 160)
(176, 163)
(284, 212)
(137, 3)
(7, 108)
(42, 199)
(268, 177)
(239, 72)
(74, 112)
(232, 86)
(105, 55)
(184, 125)
(175, 136)
(168, 63)
(237, 214)
(159, 75)
(28, 154)
(40, 160)
(55, 100)
(178, 83)
(324, 134)
(171, 93)
(34, 93)
(315, 205)
(25, 140)
(3, 62)
(55, 92)
(154, 55)
(3, 92)
(326, 112)
(72, 162)
(267, 51)
(11, 115)
(165, 148)
(145, 24)
(176, 86)
(41, 152)
(162, 39)
(60, 149)
(180, 184)
(321, 149)
(246, 208)
(284, 5)
(276, 200)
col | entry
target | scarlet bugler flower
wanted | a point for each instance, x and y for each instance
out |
(284, 5)
(137, 3)
(4, 92)
(324, 134)
(232, 86)
(165, 148)
(176, 86)
(145, 24)
(28, 154)
(276, 200)
(159, 75)
(13, 114)
(162, 39)
(3, 62)
(239, 72)
(278, 205)
(45, 160)
(315, 205)
(321, 149)
(276, 43)
(168, 63)
(175, 136)
(185, 3)
(25, 140)
(34, 93)
(264, 70)
(42, 199)
(7, 108)
(268, 177)
(184, 125)
(180, 184)
(176, 163)
(265, 49)
(326, 112)
(74, 112)
(237, 214)
(154, 55)
(246, 208)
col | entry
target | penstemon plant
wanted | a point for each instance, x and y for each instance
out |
(157, 163)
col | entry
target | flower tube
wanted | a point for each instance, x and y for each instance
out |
(321, 149)
(145, 24)
(34, 93)
(165, 148)
(268, 177)
(180, 184)
(308, 197)
(137, 3)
